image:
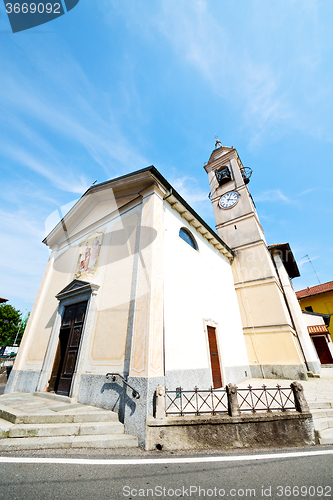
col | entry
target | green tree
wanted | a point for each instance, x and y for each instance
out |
(11, 323)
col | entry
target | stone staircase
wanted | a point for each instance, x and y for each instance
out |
(322, 413)
(43, 421)
(319, 395)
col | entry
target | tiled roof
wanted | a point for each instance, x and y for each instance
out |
(315, 290)
(3, 300)
(317, 329)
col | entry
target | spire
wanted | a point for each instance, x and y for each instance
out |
(218, 143)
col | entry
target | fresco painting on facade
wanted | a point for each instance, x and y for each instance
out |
(88, 256)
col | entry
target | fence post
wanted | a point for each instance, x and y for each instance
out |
(233, 406)
(160, 402)
(300, 401)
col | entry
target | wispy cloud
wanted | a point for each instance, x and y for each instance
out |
(305, 260)
(188, 187)
(23, 257)
(268, 79)
(62, 104)
(51, 170)
(307, 191)
(273, 195)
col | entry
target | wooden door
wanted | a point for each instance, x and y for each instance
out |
(68, 347)
(322, 349)
(214, 357)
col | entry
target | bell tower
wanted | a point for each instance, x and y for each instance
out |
(271, 339)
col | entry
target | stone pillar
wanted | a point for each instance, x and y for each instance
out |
(147, 341)
(160, 402)
(300, 401)
(233, 406)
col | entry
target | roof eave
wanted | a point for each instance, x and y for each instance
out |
(287, 258)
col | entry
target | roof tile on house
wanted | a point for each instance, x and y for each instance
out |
(317, 329)
(315, 290)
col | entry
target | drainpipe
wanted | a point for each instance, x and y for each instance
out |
(168, 195)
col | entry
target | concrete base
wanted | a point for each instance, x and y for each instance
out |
(288, 372)
(314, 367)
(224, 432)
(142, 409)
(188, 379)
(22, 381)
(116, 396)
(236, 374)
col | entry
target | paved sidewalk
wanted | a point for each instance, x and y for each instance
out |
(316, 390)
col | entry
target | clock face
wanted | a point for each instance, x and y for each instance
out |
(229, 200)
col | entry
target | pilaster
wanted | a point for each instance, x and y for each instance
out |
(147, 358)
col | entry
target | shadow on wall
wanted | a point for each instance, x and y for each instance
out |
(122, 401)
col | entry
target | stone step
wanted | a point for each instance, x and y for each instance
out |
(111, 441)
(317, 413)
(54, 397)
(41, 416)
(101, 428)
(65, 442)
(5, 427)
(72, 429)
(46, 421)
(323, 423)
(320, 404)
(326, 436)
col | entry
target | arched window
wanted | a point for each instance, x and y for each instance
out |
(187, 236)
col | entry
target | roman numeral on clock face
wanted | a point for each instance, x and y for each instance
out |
(228, 200)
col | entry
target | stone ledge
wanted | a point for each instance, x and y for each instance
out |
(226, 419)
(225, 432)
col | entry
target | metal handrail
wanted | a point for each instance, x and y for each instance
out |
(135, 393)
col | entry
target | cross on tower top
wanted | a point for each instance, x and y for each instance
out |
(218, 143)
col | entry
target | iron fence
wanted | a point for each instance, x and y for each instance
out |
(196, 402)
(266, 399)
(215, 401)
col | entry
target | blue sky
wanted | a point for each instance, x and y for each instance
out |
(114, 86)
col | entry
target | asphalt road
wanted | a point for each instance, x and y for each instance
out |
(256, 474)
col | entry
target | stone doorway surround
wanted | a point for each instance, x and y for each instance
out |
(75, 292)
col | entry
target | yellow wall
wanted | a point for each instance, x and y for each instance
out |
(321, 303)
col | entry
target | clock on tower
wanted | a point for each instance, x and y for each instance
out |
(267, 324)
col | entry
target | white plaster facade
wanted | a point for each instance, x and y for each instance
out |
(150, 298)
(199, 291)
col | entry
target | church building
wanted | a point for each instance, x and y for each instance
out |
(139, 286)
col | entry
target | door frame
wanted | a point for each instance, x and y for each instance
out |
(77, 291)
(327, 340)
